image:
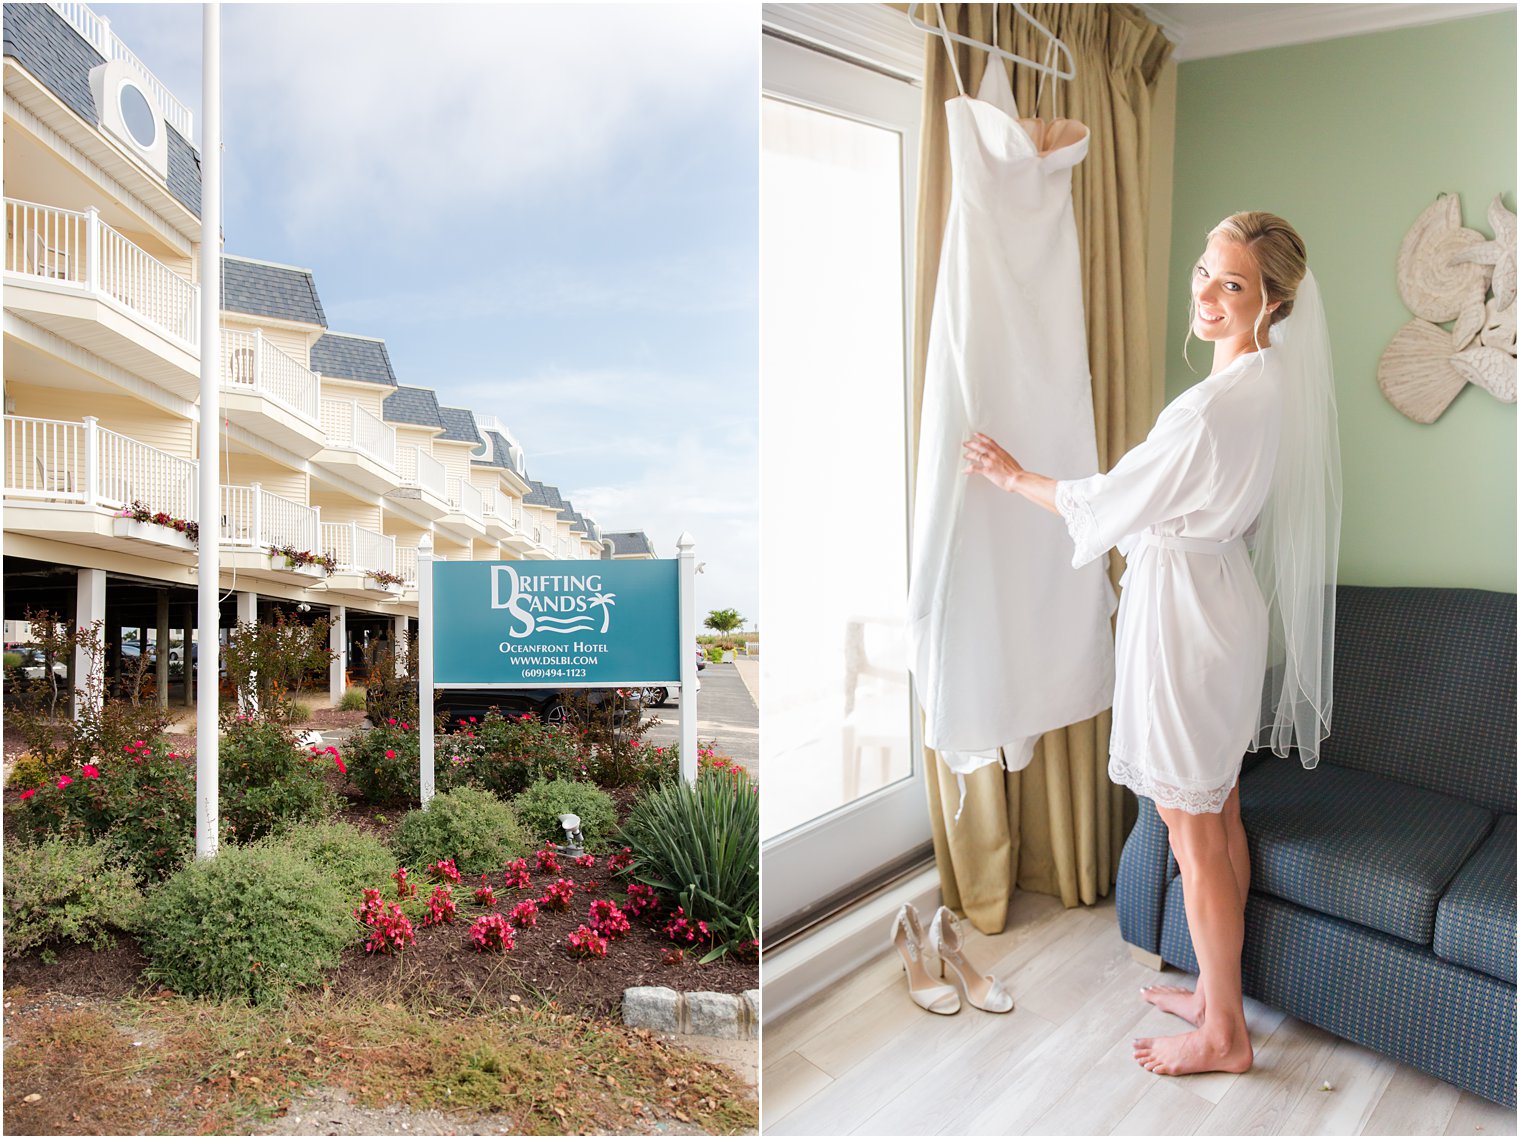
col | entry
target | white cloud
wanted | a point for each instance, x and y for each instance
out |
(458, 105)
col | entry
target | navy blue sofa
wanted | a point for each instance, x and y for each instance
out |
(1382, 904)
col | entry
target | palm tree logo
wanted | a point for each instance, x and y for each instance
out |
(605, 600)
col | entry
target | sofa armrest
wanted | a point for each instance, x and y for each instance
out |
(1145, 868)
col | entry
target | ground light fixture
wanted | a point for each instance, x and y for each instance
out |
(572, 825)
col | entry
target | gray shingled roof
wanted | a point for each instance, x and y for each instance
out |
(40, 40)
(501, 453)
(543, 494)
(260, 289)
(626, 542)
(571, 515)
(459, 425)
(417, 406)
(353, 358)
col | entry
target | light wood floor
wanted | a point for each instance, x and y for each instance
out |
(864, 1059)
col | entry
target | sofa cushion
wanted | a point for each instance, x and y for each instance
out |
(1356, 846)
(1425, 689)
(1475, 922)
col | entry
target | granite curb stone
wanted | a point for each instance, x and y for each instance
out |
(721, 1015)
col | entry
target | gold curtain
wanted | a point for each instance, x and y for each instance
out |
(1058, 826)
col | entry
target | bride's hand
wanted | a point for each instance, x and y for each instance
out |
(985, 457)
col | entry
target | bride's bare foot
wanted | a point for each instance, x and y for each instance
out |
(1227, 1050)
(1186, 1003)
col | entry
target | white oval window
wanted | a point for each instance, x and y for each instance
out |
(138, 115)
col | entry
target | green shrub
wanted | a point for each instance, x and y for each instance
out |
(11, 660)
(65, 890)
(250, 924)
(142, 799)
(541, 805)
(353, 700)
(714, 654)
(384, 761)
(266, 779)
(346, 856)
(474, 828)
(699, 846)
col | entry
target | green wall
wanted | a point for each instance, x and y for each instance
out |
(1349, 140)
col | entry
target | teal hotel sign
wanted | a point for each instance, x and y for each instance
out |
(559, 624)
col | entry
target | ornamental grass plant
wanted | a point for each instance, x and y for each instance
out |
(250, 924)
(698, 845)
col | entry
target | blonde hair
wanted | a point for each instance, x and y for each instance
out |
(1279, 254)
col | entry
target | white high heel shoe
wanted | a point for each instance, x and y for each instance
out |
(982, 990)
(908, 938)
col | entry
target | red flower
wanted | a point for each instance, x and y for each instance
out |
(29, 794)
(391, 721)
(90, 771)
(338, 759)
(64, 781)
(390, 754)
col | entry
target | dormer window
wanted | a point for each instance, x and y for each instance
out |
(130, 115)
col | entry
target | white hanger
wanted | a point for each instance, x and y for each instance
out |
(1070, 71)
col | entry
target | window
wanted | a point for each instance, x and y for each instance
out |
(843, 784)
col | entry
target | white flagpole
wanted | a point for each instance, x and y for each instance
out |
(208, 621)
(425, 665)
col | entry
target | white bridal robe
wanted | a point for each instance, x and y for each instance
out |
(1191, 640)
(1007, 639)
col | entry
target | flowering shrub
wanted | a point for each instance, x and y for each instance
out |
(444, 868)
(557, 896)
(641, 899)
(586, 942)
(548, 858)
(266, 780)
(515, 751)
(142, 801)
(485, 896)
(683, 931)
(622, 860)
(388, 926)
(586, 862)
(441, 907)
(384, 763)
(404, 889)
(608, 920)
(524, 915)
(491, 932)
(517, 875)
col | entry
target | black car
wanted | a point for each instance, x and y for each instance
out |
(551, 705)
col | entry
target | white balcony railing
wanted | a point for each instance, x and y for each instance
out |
(418, 468)
(406, 564)
(60, 461)
(254, 518)
(96, 30)
(81, 250)
(349, 427)
(358, 549)
(251, 363)
(464, 498)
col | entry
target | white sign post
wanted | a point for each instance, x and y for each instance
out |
(688, 623)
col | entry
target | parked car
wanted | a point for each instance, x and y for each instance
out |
(551, 705)
(33, 663)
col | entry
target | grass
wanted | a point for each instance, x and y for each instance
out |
(223, 1068)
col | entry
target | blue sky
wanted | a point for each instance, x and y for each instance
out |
(549, 213)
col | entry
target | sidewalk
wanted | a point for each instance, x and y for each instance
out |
(749, 672)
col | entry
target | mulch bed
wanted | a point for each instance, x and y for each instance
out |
(444, 967)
